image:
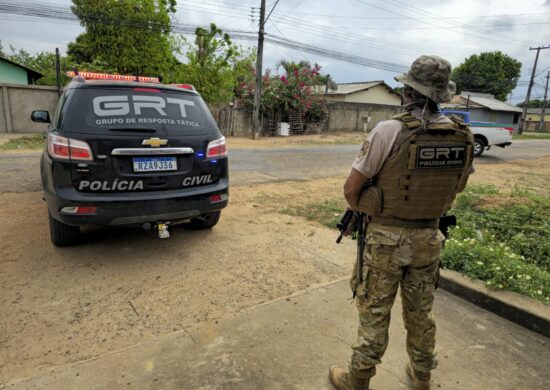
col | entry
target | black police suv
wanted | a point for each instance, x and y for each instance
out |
(123, 152)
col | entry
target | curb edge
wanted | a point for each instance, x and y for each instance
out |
(522, 310)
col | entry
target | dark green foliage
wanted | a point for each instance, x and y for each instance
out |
(535, 103)
(491, 72)
(215, 65)
(506, 245)
(124, 36)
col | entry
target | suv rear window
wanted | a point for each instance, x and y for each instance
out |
(102, 109)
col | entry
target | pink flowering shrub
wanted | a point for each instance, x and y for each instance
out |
(298, 90)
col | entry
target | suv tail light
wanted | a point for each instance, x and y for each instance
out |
(66, 148)
(510, 129)
(217, 148)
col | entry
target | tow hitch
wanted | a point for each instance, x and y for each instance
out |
(162, 230)
(160, 227)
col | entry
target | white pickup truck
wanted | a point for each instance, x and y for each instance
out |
(486, 134)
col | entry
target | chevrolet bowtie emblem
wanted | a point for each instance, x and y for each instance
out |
(154, 142)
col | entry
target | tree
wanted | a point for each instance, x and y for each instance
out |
(131, 36)
(534, 103)
(491, 72)
(215, 65)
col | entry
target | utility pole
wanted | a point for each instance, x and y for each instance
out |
(57, 72)
(531, 82)
(541, 124)
(326, 84)
(258, 90)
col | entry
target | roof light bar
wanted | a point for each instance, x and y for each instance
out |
(116, 77)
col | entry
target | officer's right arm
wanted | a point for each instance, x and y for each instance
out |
(369, 161)
(353, 187)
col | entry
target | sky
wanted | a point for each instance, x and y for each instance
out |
(396, 31)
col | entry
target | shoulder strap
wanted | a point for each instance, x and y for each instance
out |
(408, 119)
(457, 125)
(459, 121)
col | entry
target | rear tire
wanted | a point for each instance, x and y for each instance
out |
(205, 221)
(479, 147)
(62, 234)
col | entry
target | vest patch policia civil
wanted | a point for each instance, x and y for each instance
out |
(440, 156)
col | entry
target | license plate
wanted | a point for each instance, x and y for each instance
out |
(155, 164)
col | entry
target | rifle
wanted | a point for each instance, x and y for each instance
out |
(444, 223)
(344, 223)
(358, 232)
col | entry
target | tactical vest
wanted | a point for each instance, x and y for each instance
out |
(421, 178)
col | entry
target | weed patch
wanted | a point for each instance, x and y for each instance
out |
(327, 213)
(531, 136)
(35, 141)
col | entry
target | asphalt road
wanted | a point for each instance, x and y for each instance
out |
(20, 172)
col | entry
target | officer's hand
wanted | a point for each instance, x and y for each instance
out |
(351, 225)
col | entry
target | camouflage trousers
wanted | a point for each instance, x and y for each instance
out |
(396, 256)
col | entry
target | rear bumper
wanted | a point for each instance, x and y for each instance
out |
(136, 208)
(503, 145)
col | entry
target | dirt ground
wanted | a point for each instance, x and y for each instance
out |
(65, 305)
(527, 174)
(125, 285)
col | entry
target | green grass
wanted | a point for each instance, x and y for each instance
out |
(35, 141)
(501, 238)
(531, 136)
(327, 213)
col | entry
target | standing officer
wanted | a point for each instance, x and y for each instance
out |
(417, 162)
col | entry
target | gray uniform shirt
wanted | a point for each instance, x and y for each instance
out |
(380, 142)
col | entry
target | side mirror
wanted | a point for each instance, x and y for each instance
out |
(41, 116)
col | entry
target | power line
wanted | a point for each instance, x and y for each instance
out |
(284, 36)
(61, 13)
(485, 36)
(328, 32)
(440, 17)
(270, 12)
(432, 28)
(407, 18)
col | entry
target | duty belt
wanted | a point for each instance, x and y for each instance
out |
(418, 223)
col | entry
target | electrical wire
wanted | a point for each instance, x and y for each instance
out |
(432, 28)
(408, 18)
(477, 35)
(330, 33)
(401, 4)
(61, 14)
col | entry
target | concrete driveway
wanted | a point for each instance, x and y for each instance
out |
(290, 343)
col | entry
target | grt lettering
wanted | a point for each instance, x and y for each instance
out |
(429, 153)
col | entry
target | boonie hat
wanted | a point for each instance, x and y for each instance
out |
(430, 76)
